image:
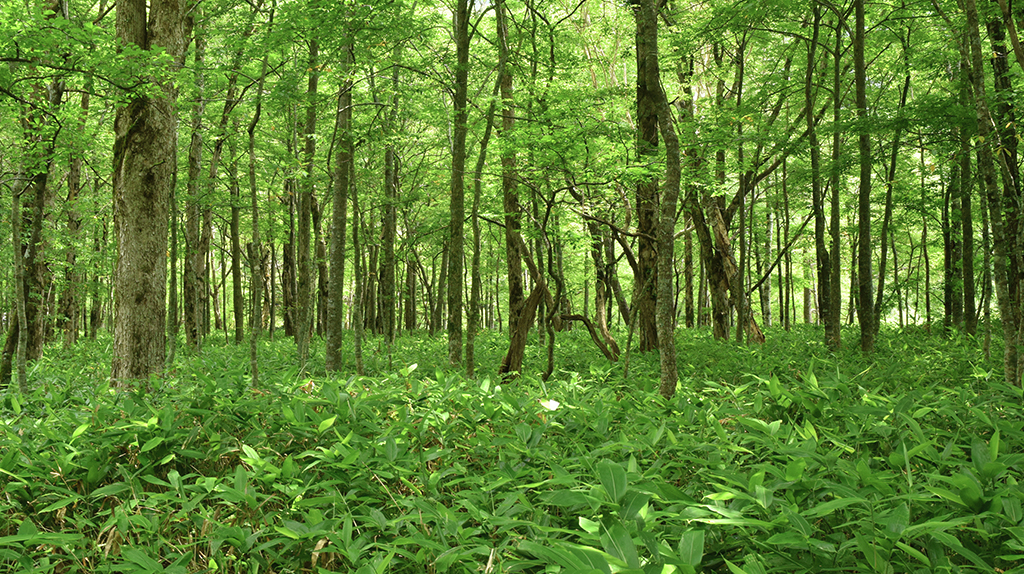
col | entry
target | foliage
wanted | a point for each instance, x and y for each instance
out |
(783, 458)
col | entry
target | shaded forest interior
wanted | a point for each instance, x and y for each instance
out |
(348, 171)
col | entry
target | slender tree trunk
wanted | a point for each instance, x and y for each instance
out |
(822, 255)
(303, 307)
(884, 238)
(836, 297)
(966, 216)
(237, 299)
(256, 247)
(865, 312)
(339, 216)
(509, 192)
(476, 281)
(20, 294)
(357, 299)
(390, 223)
(457, 207)
(193, 288)
(72, 296)
(688, 306)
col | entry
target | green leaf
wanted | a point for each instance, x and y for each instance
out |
(78, 431)
(735, 569)
(152, 443)
(618, 543)
(140, 558)
(798, 522)
(917, 554)
(826, 508)
(897, 522)
(613, 479)
(691, 547)
(564, 498)
(592, 559)
(326, 423)
(634, 502)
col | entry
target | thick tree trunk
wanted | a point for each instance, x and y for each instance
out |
(645, 287)
(144, 161)
(648, 29)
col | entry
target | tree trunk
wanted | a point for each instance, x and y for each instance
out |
(884, 238)
(836, 296)
(256, 247)
(357, 298)
(648, 28)
(645, 287)
(1001, 243)
(303, 307)
(237, 299)
(390, 223)
(339, 216)
(822, 255)
(72, 296)
(476, 281)
(144, 161)
(865, 312)
(193, 288)
(457, 207)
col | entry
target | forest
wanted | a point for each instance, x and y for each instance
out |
(511, 286)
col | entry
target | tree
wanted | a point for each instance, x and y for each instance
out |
(457, 206)
(339, 194)
(144, 160)
(865, 305)
(647, 27)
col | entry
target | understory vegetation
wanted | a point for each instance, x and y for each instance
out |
(777, 458)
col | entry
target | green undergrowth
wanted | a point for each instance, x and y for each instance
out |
(782, 458)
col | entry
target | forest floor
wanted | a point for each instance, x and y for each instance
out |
(779, 458)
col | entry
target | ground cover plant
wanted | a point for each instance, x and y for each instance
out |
(781, 458)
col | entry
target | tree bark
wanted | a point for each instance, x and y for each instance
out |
(339, 217)
(1001, 242)
(865, 311)
(648, 28)
(822, 255)
(256, 247)
(457, 207)
(144, 161)
(193, 284)
(645, 287)
(303, 307)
